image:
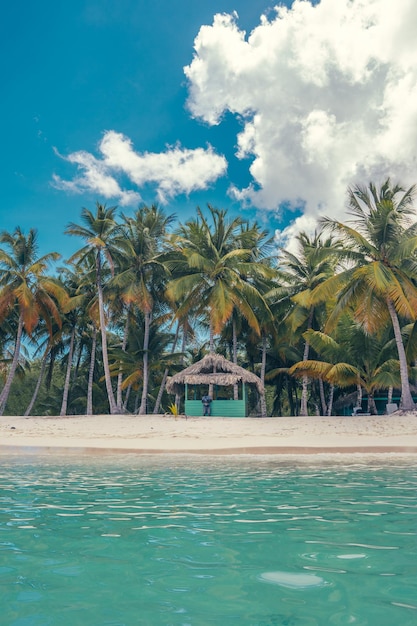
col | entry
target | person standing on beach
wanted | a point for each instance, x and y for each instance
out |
(206, 400)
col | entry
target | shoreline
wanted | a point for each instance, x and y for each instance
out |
(166, 435)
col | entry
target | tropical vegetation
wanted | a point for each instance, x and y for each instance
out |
(326, 326)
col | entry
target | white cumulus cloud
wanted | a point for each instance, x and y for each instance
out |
(176, 171)
(327, 97)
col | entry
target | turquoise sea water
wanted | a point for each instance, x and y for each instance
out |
(128, 540)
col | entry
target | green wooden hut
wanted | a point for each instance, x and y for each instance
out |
(218, 377)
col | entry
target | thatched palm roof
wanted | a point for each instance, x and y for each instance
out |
(212, 369)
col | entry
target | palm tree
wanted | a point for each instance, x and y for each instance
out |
(379, 284)
(213, 272)
(301, 273)
(282, 353)
(130, 360)
(166, 371)
(143, 278)
(184, 331)
(69, 328)
(82, 306)
(218, 271)
(45, 341)
(99, 231)
(263, 276)
(352, 357)
(26, 288)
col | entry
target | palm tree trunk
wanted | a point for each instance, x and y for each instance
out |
(292, 396)
(406, 401)
(110, 394)
(211, 337)
(359, 396)
(160, 392)
(234, 334)
(91, 373)
(38, 382)
(234, 339)
(322, 397)
(390, 393)
(78, 361)
(120, 375)
(371, 404)
(183, 344)
(68, 375)
(263, 370)
(4, 396)
(127, 396)
(330, 403)
(165, 376)
(304, 394)
(211, 388)
(142, 409)
(50, 372)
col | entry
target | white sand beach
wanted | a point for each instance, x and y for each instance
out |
(153, 434)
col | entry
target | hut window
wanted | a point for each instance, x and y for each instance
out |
(196, 392)
(223, 393)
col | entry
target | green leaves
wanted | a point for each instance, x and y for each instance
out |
(212, 272)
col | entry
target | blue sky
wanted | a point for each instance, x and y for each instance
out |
(271, 112)
(72, 70)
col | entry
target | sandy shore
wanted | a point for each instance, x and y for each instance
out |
(152, 434)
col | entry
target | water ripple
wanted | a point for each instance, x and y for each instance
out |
(196, 542)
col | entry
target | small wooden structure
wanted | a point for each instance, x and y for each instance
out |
(216, 376)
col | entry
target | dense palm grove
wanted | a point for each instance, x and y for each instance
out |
(144, 296)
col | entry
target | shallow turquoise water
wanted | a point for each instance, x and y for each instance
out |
(185, 542)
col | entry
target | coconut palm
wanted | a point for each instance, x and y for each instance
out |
(143, 276)
(381, 246)
(184, 328)
(99, 231)
(69, 328)
(213, 272)
(353, 357)
(263, 276)
(44, 342)
(130, 361)
(26, 287)
(283, 352)
(301, 273)
(80, 281)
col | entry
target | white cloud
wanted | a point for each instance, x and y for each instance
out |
(176, 171)
(327, 95)
(95, 178)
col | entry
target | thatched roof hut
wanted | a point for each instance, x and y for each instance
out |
(212, 369)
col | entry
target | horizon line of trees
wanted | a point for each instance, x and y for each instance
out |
(144, 296)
